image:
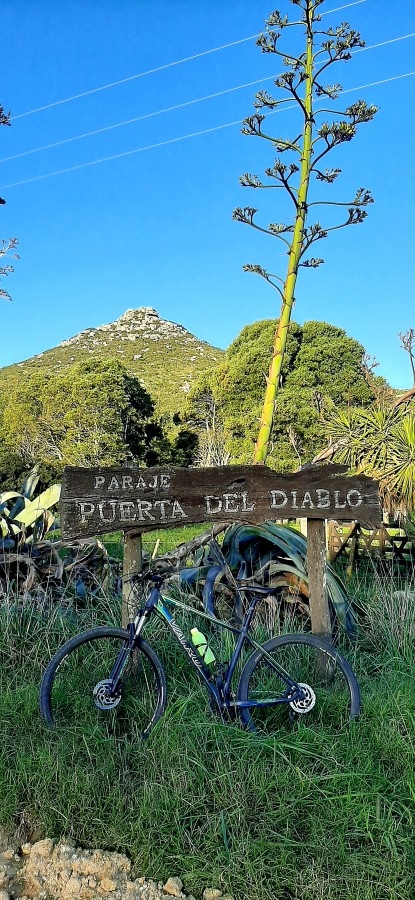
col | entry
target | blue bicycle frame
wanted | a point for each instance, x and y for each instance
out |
(218, 686)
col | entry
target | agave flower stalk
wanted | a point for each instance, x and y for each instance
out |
(314, 141)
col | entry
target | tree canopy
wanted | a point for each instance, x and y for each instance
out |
(92, 413)
(322, 368)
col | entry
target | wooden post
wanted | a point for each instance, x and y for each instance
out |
(132, 563)
(317, 578)
(332, 541)
(352, 553)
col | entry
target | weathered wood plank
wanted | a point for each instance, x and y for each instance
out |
(99, 500)
(132, 564)
(317, 578)
(354, 549)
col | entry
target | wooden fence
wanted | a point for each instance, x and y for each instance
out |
(388, 542)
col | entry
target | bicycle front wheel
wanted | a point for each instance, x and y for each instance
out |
(75, 690)
(330, 692)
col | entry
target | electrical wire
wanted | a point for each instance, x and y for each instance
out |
(158, 112)
(176, 62)
(177, 106)
(383, 43)
(183, 137)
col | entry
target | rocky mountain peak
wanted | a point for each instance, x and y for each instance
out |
(165, 356)
(144, 322)
(143, 312)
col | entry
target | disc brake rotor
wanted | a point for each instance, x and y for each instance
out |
(103, 698)
(305, 703)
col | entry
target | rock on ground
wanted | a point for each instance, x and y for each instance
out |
(48, 871)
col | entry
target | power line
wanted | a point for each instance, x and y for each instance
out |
(158, 112)
(383, 43)
(104, 87)
(338, 8)
(177, 106)
(183, 137)
(176, 62)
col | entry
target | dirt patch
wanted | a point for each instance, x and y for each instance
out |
(48, 871)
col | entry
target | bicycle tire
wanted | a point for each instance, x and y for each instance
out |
(85, 661)
(331, 678)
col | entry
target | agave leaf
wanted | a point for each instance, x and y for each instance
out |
(17, 506)
(30, 484)
(8, 495)
(7, 527)
(7, 543)
(34, 508)
(254, 544)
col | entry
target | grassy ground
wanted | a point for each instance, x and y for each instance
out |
(306, 815)
(168, 539)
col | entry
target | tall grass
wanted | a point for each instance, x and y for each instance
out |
(303, 816)
(385, 598)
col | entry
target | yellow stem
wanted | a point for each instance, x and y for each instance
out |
(262, 444)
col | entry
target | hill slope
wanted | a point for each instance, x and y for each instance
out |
(163, 355)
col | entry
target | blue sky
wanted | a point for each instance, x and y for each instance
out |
(155, 228)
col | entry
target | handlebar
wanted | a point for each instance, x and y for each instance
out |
(157, 576)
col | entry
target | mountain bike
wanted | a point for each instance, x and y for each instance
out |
(111, 677)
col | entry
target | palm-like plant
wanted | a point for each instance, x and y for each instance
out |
(401, 462)
(379, 442)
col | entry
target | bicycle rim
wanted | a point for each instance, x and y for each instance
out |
(332, 688)
(74, 688)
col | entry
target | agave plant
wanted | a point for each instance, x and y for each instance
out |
(25, 520)
(275, 555)
(30, 559)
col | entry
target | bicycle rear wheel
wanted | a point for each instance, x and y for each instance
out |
(75, 693)
(331, 692)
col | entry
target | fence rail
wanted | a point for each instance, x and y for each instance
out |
(349, 538)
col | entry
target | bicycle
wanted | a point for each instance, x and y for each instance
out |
(112, 676)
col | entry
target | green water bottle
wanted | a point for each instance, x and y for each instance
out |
(201, 644)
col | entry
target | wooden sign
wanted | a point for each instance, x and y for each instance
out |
(101, 500)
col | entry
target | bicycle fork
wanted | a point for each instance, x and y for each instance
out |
(107, 693)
